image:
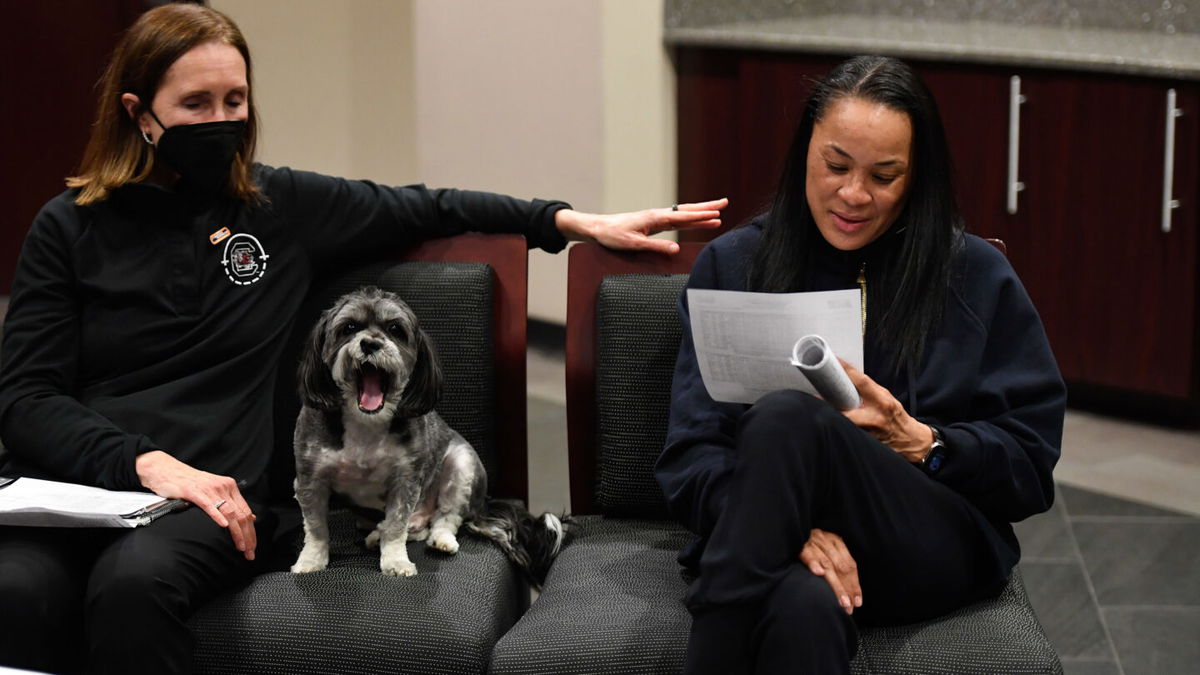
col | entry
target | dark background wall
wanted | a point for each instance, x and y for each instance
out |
(52, 53)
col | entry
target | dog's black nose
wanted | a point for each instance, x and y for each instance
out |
(369, 347)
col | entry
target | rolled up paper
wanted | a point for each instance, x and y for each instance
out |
(813, 357)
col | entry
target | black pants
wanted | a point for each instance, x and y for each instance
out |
(921, 548)
(117, 601)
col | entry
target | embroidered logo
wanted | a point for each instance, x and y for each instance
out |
(244, 260)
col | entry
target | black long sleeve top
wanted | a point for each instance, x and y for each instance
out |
(154, 321)
(988, 379)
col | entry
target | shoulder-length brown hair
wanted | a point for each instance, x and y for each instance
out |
(117, 154)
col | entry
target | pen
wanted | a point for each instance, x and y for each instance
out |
(158, 509)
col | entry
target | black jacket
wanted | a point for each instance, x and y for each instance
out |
(988, 380)
(156, 321)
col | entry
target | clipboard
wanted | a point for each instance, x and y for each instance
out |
(33, 502)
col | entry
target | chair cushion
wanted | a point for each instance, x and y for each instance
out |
(638, 337)
(613, 603)
(454, 304)
(995, 636)
(351, 618)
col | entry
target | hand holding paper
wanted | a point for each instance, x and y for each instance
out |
(813, 357)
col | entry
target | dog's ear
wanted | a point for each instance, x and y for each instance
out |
(424, 387)
(317, 388)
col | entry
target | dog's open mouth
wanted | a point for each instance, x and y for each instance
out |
(372, 388)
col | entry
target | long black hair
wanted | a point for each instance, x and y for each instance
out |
(930, 222)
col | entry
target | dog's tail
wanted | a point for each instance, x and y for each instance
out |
(529, 541)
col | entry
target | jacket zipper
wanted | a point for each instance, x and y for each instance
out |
(862, 287)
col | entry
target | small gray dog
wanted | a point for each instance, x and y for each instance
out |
(367, 430)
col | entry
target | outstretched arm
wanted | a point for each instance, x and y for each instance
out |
(633, 230)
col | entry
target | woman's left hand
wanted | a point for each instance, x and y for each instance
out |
(826, 556)
(882, 416)
(632, 230)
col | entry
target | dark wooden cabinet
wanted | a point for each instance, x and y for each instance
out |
(974, 109)
(1117, 294)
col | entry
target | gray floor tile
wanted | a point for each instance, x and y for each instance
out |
(548, 488)
(1088, 667)
(1064, 607)
(1046, 535)
(1081, 502)
(1156, 641)
(1132, 460)
(1141, 561)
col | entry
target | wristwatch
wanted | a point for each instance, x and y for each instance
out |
(935, 457)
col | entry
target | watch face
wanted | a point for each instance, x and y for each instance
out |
(935, 461)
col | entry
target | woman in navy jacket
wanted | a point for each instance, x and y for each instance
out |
(813, 521)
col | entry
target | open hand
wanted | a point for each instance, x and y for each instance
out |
(826, 556)
(218, 496)
(632, 230)
(882, 416)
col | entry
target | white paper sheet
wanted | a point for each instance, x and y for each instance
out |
(47, 503)
(744, 340)
(813, 356)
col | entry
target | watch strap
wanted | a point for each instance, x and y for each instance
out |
(935, 457)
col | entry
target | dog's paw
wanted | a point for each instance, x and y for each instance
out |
(310, 562)
(372, 539)
(398, 568)
(419, 535)
(443, 540)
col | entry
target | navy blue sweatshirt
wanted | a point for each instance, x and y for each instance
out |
(155, 321)
(988, 379)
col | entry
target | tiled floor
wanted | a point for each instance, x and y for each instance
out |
(1116, 583)
(1113, 570)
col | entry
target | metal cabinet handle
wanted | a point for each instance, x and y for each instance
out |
(1169, 202)
(1015, 99)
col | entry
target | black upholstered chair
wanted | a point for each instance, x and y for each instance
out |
(470, 295)
(613, 600)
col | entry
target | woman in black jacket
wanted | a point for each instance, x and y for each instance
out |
(150, 307)
(811, 520)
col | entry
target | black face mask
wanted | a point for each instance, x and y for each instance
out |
(201, 153)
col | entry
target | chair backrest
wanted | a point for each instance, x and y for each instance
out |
(622, 339)
(470, 294)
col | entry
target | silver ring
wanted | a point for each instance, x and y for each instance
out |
(674, 207)
(219, 504)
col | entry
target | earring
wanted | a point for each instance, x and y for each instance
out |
(146, 137)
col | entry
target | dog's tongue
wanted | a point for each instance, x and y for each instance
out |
(370, 394)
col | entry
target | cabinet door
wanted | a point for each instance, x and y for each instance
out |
(706, 89)
(973, 103)
(1117, 294)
